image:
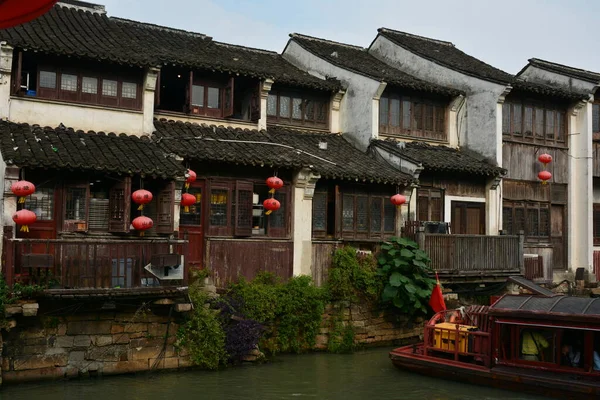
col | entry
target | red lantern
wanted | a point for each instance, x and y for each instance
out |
(141, 197)
(187, 200)
(190, 177)
(398, 200)
(545, 158)
(22, 189)
(24, 218)
(16, 12)
(545, 176)
(142, 223)
(274, 183)
(271, 205)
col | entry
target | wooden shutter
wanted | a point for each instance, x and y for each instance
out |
(255, 104)
(596, 219)
(228, 99)
(243, 210)
(278, 221)
(188, 94)
(156, 90)
(165, 208)
(319, 214)
(119, 205)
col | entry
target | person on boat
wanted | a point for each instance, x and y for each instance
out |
(532, 345)
(596, 361)
(570, 356)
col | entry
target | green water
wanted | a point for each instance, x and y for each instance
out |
(363, 375)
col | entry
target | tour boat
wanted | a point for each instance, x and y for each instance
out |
(547, 345)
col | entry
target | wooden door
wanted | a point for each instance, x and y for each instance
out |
(557, 232)
(468, 218)
(192, 222)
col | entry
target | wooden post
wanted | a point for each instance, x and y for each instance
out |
(521, 252)
(421, 237)
(186, 255)
(9, 255)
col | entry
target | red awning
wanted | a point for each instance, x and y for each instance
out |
(16, 12)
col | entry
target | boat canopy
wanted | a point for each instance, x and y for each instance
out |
(561, 308)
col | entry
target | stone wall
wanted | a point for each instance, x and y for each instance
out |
(62, 344)
(371, 326)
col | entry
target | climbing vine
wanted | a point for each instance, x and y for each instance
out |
(353, 277)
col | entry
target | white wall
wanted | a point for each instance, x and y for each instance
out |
(448, 204)
(480, 130)
(359, 106)
(538, 75)
(6, 59)
(303, 191)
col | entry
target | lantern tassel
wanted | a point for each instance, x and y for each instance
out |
(544, 182)
(186, 186)
(21, 200)
(141, 207)
(141, 233)
(186, 209)
(272, 191)
(24, 228)
(269, 212)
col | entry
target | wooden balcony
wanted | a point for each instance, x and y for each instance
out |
(94, 263)
(473, 257)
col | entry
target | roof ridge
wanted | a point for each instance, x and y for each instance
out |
(161, 27)
(534, 60)
(239, 46)
(444, 42)
(82, 5)
(307, 37)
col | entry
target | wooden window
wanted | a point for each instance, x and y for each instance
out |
(76, 207)
(119, 205)
(467, 218)
(194, 216)
(540, 123)
(235, 209)
(41, 203)
(165, 209)
(533, 218)
(81, 86)
(410, 116)
(596, 218)
(297, 108)
(319, 214)
(367, 216)
(210, 98)
(430, 204)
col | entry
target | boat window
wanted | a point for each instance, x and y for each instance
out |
(537, 345)
(572, 348)
(596, 353)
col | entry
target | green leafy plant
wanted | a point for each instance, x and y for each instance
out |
(353, 277)
(406, 270)
(202, 334)
(341, 337)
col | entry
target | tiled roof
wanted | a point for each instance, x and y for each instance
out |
(545, 307)
(276, 147)
(90, 33)
(546, 90)
(589, 76)
(358, 59)
(32, 146)
(440, 158)
(446, 54)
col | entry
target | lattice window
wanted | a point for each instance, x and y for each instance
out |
(319, 211)
(42, 203)
(507, 220)
(194, 216)
(89, 85)
(278, 218)
(129, 90)
(297, 108)
(389, 216)
(68, 82)
(362, 213)
(218, 207)
(376, 214)
(48, 79)
(348, 213)
(75, 207)
(539, 122)
(109, 88)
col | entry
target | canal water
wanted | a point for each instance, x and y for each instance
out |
(363, 375)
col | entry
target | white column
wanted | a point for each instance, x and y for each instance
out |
(580, 189)
(454, 118)
(148, 97)
(6, 60)
(264, 94)
(493, 206)
(302, 192)
(334, 112)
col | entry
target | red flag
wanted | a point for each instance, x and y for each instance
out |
(436, 301)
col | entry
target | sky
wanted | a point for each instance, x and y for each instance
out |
(503, 33)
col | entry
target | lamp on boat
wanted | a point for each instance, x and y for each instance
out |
(141, 197)
(22, 189)
(24, 218)
(16, 12)
(142, 223)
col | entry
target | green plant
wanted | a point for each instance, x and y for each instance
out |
(341, 337)
(290, 312)
(406, 271)
(353, 276)
(21, 291)
(202, 334)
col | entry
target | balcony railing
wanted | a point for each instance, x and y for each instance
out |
(86, 263)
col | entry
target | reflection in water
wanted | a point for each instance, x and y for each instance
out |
(363, 375)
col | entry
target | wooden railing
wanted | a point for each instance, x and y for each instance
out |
(85, 263)
(465, 345)
(473, 254)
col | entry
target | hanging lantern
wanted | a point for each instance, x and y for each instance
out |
(190, 176)
(271, 205)
(16, 12)
(141, 197)
(22, 189)
(274, 183)
(544, 176)
(24, 218)
(545, 159)
(187, 200)
(398, 200)
(142, 223)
